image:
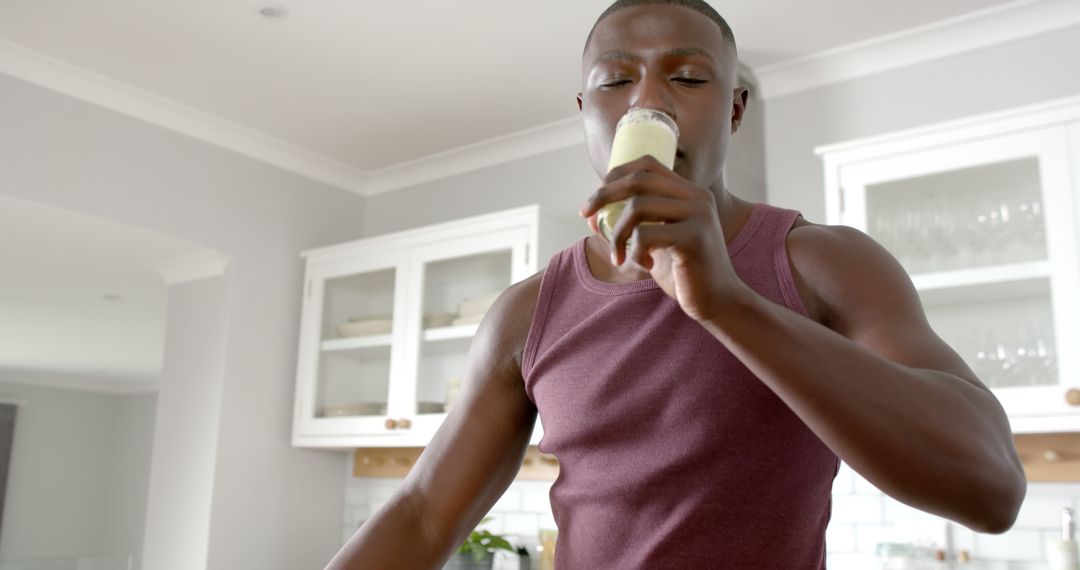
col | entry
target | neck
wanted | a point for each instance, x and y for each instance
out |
(730, 209)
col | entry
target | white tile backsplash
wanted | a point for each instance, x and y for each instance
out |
(844, 483)
(872, 517)
(1021, 545)
(510, 502)
(1038, 510)
(535, 499)
(845, 561)
(523, 509)
(862, 486)
(840, 537)
(862, 516)
(521, 524)
(868, 536)
(860, 509)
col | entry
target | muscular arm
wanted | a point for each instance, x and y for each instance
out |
(877, 385)
(471, 460)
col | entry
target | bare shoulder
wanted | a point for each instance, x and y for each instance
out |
(506, 326)
(863, 293)
(842, 273)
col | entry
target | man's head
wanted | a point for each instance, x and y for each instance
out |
(676, 56)
(696, 5)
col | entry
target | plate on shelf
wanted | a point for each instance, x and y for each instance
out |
(438, 320)
(367, 327)
(430, 407)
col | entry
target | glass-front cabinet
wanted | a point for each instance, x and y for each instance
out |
(983, 216)
(357, 331)
(457, 282)
(388, 322)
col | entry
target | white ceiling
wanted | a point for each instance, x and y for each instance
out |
(371, 84)
(79, 304)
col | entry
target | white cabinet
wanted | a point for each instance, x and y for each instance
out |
(387, 323)
(983, 215)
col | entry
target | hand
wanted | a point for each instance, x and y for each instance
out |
(687, 254)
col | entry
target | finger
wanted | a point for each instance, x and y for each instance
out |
(650, 238)
(645, 209)
(640, 183)
(647, 162)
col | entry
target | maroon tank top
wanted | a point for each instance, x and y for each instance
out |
(672, 454)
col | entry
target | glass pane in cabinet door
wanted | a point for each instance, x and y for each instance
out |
(1005, 332)
(457, 294)
(354, 356)
(974, 217)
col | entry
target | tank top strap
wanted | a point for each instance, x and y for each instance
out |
(559, 266)
(782, 222)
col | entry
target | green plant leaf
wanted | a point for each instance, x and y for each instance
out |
(481, 542)
(498, 542)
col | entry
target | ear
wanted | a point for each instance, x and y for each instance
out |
(579, 101)
(738, 107)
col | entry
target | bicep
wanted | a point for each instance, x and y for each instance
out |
(478, 450)
(866, 296)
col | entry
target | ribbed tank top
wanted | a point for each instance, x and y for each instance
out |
(672, 454)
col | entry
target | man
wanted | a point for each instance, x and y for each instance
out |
(700, 388)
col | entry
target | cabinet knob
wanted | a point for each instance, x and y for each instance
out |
(391, 423)
(404, 423)
(1072, 396)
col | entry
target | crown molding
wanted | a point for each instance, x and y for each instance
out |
(1038, 115)
(193, 267)
(968, 32)
(554, 136)
(74, 381)
(81, 84)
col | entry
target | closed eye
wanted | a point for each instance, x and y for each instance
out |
(689, 80)
(614, 83)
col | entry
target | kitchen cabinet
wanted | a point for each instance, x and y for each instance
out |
(387, 323)
(983, 214)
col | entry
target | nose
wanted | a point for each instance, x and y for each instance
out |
(651, 92)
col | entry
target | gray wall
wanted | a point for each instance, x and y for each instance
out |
(79, 473)
(180, 505)
(559, 181)
(1018, 73)
(132, 440)
(273, 506)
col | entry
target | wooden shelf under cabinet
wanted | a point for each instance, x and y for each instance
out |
(1050, 457)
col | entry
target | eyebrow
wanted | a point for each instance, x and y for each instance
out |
(674, 52)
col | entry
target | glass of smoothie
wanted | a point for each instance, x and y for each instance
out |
(639, 132)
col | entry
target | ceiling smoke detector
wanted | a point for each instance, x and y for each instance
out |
(273, 12)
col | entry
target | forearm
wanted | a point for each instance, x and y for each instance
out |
(928, 438)
(393, 538)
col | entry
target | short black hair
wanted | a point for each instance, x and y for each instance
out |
(699, 6)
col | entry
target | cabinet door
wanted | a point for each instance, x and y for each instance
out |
(452, 284)
(352, 345)
(987, 230)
